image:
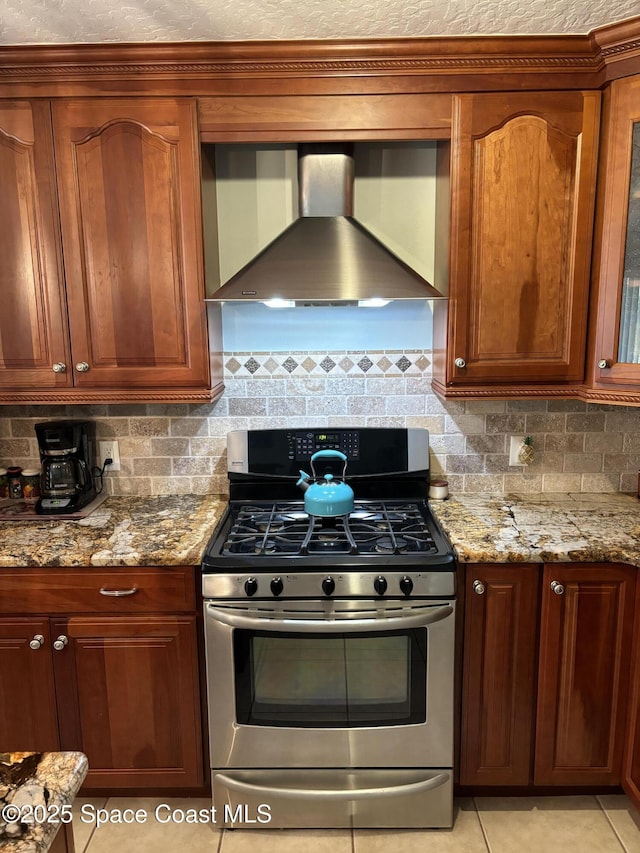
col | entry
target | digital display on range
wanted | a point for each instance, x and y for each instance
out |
(303, 444)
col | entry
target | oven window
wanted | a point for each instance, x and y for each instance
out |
(337, 680)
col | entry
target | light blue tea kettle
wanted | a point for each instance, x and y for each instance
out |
(326, 497)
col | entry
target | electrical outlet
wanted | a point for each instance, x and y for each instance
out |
(514, 450)
(110, 450)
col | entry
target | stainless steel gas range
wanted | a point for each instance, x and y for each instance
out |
(330, 639)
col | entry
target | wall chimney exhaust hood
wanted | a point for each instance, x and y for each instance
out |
(325, 257)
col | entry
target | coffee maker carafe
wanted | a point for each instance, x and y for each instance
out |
(66, 456)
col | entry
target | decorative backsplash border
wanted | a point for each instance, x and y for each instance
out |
(331, 363)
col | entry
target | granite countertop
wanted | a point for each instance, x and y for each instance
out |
(55, 783)
(542, 528)
(123, 531)
(174, 530)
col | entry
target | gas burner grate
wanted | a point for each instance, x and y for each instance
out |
(375, 529)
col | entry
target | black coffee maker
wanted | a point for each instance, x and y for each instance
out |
(67, 458)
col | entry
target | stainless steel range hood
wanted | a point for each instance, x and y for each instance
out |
(325, 256)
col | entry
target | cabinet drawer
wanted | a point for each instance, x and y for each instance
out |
(88, 590)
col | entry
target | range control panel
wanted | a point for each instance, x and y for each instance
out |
(401, 585)
(370, 451)
(304, 443)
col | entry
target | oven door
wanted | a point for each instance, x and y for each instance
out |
(330, 684)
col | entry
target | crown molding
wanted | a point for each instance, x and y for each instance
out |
(433, 63)
(415, 57)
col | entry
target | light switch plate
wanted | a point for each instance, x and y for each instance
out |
(514, 450)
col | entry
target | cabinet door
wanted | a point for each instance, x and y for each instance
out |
(498, 694)
(128, 173)
(34, 348)
(616, 354)
(28, 719)
(128, 697)
(583, 678)
(631, 772)
(523, 174)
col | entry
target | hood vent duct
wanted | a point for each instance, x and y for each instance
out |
(325, 257)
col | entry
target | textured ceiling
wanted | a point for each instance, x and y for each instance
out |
(72, 21)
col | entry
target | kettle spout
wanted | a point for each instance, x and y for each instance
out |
(303, 482)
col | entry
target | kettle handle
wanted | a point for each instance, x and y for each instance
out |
(325, 454)
(328, 454)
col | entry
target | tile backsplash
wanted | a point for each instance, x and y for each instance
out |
(171, 449)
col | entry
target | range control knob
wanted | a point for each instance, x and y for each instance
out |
(380, 585)
(328, 585)
(406, 585)
(251, 586)
(277, 586)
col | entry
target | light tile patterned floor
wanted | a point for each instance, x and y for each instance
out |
(577, 824)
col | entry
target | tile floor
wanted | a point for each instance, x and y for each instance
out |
(580, 824)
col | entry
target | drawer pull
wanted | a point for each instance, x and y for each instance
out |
(479, 588)
(60, 643)
(118, 593)
(37, 641)
(557, 587)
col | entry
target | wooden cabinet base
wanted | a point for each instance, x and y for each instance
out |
(546, 677)
(115, 678)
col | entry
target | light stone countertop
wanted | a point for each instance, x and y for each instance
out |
(123, 531)
(57, 778)
(542, 527)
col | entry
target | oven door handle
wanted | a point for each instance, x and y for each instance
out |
(329, 626)
(332, 793)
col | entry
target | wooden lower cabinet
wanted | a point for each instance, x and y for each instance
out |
(631, 771)
(547, 657)
(122, 687)
(28, 717)
(499, 674)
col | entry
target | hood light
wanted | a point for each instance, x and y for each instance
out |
(374, 302)
(276, 302)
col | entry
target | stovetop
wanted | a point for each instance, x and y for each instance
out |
(267, 534)
(371, 528)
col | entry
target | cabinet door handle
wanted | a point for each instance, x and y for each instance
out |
(59, 367)
(60, 643)
(460, 362)
(82, 367)
(118, 593)
(603, 364)
(37, 641)
(557, 587)
(479, 588)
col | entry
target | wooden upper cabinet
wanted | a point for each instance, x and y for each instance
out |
(615, 348)
(128, 177)
(584, 670)
(522, 193)
(33, 327)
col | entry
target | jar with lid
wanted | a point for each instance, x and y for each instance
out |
(15, 482)
(438, 490)
(31, 484)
